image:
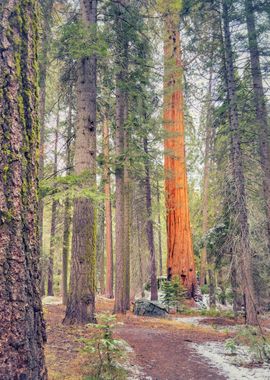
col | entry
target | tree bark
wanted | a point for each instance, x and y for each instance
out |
(159, 232)
(149, 225)
(54, 211)
(208, 128)
(212, 287)
(127, 213)
(121, 76)
(139, 234)
(22, 334)
(108, 210)
(100, 249)
(238, 175)
(47, 7)
(81, 300)
(67, 212)
(260, 108)
(180, 260)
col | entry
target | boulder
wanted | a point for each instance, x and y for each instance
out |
(149, 308)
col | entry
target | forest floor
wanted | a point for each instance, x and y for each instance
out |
(158, 349)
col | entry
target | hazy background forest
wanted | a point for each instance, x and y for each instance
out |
(207, 136)
(135, 168)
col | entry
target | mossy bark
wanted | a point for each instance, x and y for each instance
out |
(22, 326)
(81, 299)
(46, 9)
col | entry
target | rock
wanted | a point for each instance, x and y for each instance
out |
(149, 308)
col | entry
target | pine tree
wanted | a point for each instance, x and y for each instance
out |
(22, 327)
(81, 299)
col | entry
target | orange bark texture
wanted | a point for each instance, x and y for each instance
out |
(180, 260)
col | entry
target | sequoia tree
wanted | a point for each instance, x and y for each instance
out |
(81, 300)
(22, 327)
(180, 261)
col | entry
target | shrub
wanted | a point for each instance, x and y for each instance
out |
(105, 350)
(173, 293)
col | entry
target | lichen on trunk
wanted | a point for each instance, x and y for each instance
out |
(22, 326)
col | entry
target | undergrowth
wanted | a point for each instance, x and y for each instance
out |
(104, 352)
(251, 337)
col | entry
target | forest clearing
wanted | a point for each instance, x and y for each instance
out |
(134, 189)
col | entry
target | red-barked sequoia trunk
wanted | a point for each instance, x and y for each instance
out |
(180, 261)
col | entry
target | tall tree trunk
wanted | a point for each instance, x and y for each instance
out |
(159, 231)
(208, 128)
(127, 213)
(81, 300)
(239, 180)
(212, 285)
(100, 249)
(260, 108)
(47, 7)
(121, 76)
(149, 225)
(54, 211)
(139, 234)
(108, 210)
(67, 212)
(180, 260)
(22, 326)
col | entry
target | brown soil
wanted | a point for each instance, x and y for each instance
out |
(167, 355)
(161, 347)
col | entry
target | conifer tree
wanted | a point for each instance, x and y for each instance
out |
(22, 327)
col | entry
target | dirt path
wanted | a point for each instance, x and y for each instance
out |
(165, 355)
(161, 348)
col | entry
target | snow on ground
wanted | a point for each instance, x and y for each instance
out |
(191, 320)
(232, 367)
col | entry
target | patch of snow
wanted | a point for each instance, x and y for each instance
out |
(230, 366)
(190, 320)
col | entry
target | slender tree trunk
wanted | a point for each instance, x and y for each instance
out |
(54, 212)
(126, 214)
(212, 286)
(100, 249)
(81, 300)
(180, 260)
(67, 212)
(139, 234)
(208, 129)
(121, 262)
(149, 225)
(159, 232)
(260, 108)
(108, 211)
(239, 180)
(22, 326)
(43, 65)
(237, 299)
